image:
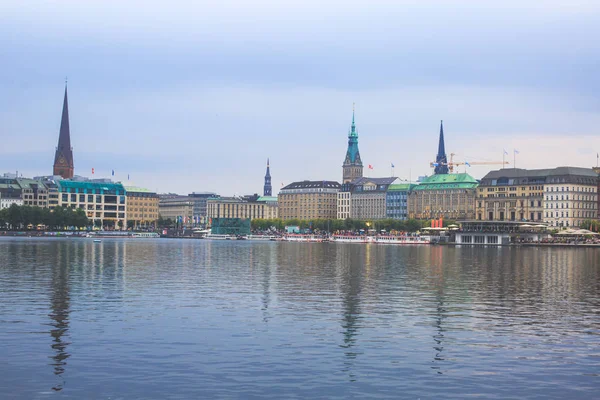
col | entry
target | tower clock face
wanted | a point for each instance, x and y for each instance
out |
(61, 160)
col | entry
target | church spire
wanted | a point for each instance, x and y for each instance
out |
(63, 158)
(441, 159)
(268, 190)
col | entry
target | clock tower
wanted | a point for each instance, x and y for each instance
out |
(63, 158)
(352, 167)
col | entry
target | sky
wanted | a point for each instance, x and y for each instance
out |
(190, 96)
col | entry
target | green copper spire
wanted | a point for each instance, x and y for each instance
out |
(352, 154)
(353, 132)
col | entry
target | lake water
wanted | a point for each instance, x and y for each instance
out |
(183, 319)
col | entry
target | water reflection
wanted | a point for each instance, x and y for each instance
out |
(60, 310)
(268, 318)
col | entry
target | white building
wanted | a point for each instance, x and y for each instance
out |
(570, 196)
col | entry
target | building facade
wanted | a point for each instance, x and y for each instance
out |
(570, 196)
(142, 207)
(9, 201)
(344, 202)
(369, 198)
(105, 203)
(448, 196)
(397, 197)
(352, 167)
(33, 192)
(63, 157)
(10, 192)
(200, 212)
(251, 207)
(511, 194)
(559, 197)
(309, 200)
(179, 209)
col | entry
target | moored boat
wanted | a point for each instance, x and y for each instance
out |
(403, 239)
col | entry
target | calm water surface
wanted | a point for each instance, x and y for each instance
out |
(126, 319)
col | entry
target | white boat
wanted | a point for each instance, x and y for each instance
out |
(97, 240)
(152, 235)
(215, 236)
(403, 239)
(293, 237)
(262, 237)
(352, 239)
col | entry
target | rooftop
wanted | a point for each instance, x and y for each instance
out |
(312, 184)
(401, 187)
(526, 173)
(378, 181)
(447, 181)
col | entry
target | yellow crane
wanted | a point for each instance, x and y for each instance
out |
(453, 164)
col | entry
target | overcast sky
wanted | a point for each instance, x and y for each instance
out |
(195, 95)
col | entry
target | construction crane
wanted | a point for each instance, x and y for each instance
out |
(453, 164)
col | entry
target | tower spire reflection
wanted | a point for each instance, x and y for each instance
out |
(60, 310)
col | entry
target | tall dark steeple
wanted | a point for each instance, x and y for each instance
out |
(268, 190)
(63, 159)
(440, 159)
(353, 167)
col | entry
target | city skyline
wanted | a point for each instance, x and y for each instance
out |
(208, 118)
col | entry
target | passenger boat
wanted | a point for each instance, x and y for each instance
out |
(262, 237)
(147, 235)
(352, 239)
(403, 239)
(296, 237)
(215, 236)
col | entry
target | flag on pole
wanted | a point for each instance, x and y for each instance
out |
(505, 152)
(467, 164)
(92, 171)
(393, 165)
(435, 164)
(127, 176)
(370, 166)
(113, 172)
(516, 151)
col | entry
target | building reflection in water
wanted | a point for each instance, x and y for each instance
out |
(60, 310)
(352, 262)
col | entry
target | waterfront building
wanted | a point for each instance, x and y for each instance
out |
(368, 197)
(6, 202)
(448, 196)
(142, 207)
(309, 200)
(352, 167)
(63, 157)
(104, 202)
(33, 192)
(498, 233)
(179, 209)
(230, 226)
(247, 207)
(10, 192)
(441, 161)
(397, 197)
(560, 197)
(267, 189)
(570, 196)
(344, 202)
(511, 194)
(200, 200)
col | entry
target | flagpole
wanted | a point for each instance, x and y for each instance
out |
(503, 154)
(514, 159)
